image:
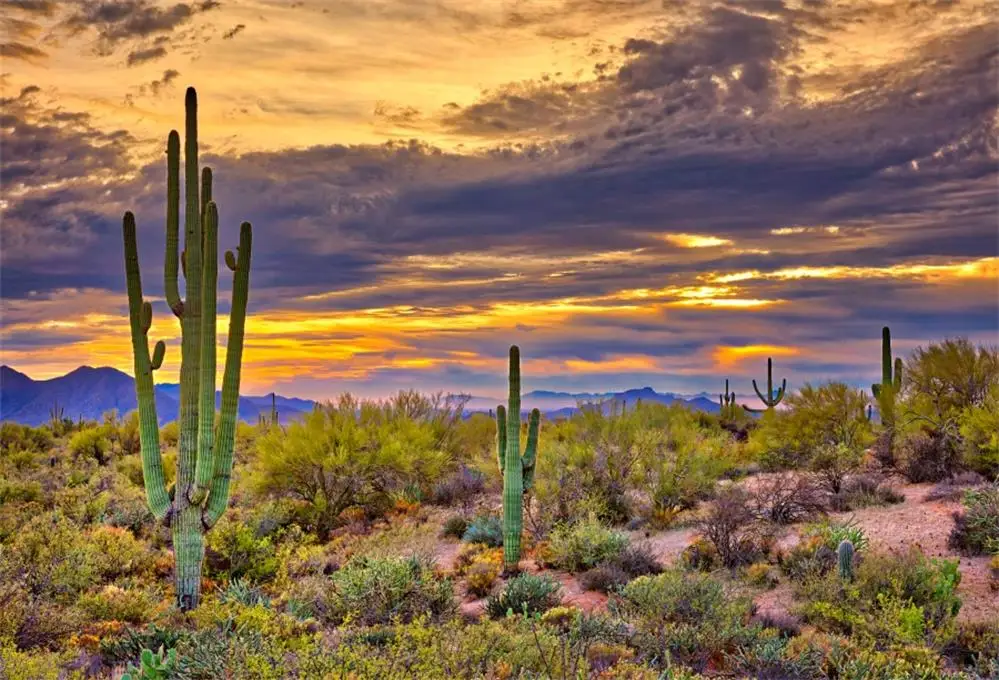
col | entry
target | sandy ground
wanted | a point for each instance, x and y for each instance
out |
(925, 524)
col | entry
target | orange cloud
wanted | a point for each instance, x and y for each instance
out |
(725, 356)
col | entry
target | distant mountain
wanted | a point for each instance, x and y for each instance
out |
(91, 392)
(564, 404)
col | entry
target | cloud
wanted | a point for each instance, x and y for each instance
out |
(19, 51)
(125, 20)
(233, 32)
(149, 54)
(729, 179)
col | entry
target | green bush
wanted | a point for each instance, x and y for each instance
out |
(116, 604)
(353, 454)
(893, 599)
(16, 438)
(485, 529)
(979, 428)
(51, 557)
(235, 550)
(584, 545)
(685, 617)
(976, 528)
(91, 443)
(379, 591)
(525, 594)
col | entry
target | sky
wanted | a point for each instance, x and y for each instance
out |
(636, 193)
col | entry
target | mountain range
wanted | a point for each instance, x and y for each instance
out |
(90, 392)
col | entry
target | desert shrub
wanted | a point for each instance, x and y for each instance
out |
(33, 622)
(16, 438)
(976, 527)
(831, 463)
(482, 573)
(378, 591)
(974, 643)
(979, 429)
(17, 664)
(894, 599)
(685, 617)
(681, 462)
(485, 529)
(701, 555)
(584, 545)
(353, 454)
(865, 490)
(787, 498)
(91, 443)
(953, 488)
(732, 526)
(929, 454)
(18, 491)
(815, 554)
(244, 593)
(117, 552)
(455, 526)
(235, 549)
(604, 578)
(116, 604)
(762, 574)
(637, 560)
(525, 594)
(170, 434)
(50, 557)
(460, 487)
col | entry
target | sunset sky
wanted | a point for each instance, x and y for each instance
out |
(637, 193)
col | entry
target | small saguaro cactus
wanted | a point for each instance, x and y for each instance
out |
(772, 397)
(844, 555)
(517, 470)
(726, 401)
(891, 380)
(205, 448)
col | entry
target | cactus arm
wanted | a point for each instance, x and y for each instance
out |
(770, 382)
(149, 435)
(876, 390)
(781, 392)
(205, 467)
(225, 434)
(531, 450)
(501, 436)
(758, 393)
(173, 224)
(897, 381)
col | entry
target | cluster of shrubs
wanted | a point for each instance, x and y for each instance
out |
(324, 565)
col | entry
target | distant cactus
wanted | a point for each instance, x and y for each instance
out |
(844, 554)
(772, 397)
(205, 449)
(57, 420)
(726, 402)
(517, 470)
(891, 380)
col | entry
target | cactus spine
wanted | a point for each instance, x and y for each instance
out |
(204, 461)
(772, 397)
(518, 471)
(844, 555)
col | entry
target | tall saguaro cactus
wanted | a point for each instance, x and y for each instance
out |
(205, 447)
(772, 398)
(518, 471)
(891, 380)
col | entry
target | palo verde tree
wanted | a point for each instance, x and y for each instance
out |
(518, 471)
(204, 461)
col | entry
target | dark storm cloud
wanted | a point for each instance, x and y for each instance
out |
(117, 21)
(13, 50)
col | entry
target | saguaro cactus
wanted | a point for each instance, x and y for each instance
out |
(518, 471)
(891, 380)
(204, 460)
(772, 397)
(844, 556)
(726, 401)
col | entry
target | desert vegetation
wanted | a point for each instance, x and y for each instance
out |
(370, 539)
(409, 538)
